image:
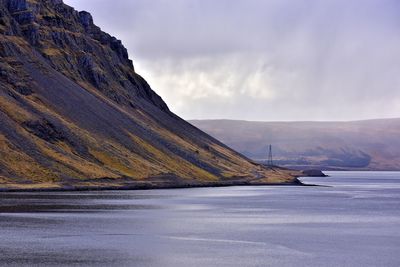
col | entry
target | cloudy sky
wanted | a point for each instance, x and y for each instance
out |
(263, 59)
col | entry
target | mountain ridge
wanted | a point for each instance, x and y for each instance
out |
(75, 114)
(331, 145)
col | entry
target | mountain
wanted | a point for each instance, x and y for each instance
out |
(75, 114)
(356, 145)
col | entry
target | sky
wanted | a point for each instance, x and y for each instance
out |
(264, 60)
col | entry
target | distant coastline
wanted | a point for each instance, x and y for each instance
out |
(370, 145)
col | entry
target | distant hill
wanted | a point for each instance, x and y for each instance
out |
(75, 114)
(356, 145)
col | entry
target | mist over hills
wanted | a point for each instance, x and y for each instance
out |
(75, 114)
(354, 145)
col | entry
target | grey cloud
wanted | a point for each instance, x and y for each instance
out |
(263, 60)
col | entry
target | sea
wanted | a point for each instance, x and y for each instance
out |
(347, 219)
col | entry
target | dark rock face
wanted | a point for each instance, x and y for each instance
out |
(86, 20)
(17, 5)
(44, 130)
(314, 173)
(63, 31)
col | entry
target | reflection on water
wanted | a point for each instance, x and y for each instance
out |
(355, 221)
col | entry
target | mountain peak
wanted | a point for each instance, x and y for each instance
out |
(78, 48)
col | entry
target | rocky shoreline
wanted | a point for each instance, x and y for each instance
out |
(149, 186)
(154, 185)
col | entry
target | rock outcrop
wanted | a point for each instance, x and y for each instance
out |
(74, 113)
(314, 173)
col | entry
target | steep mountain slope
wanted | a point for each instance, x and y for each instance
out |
(74, 113)
(357, 145)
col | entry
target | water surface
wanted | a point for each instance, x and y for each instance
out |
(353, 221)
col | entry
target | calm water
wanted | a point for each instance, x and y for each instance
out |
(354, 222)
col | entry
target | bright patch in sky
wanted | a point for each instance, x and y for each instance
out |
(263, 60)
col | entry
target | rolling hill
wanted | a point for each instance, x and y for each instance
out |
(355, 145)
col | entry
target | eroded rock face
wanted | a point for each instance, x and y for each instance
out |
(76, 46)
(16, 5)
(86, 20)
(44, 130)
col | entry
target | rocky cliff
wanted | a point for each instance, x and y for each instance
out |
(75, 114)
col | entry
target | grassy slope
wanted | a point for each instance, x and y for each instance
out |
(58, 129)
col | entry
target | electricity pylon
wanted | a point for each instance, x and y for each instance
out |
(270, 162)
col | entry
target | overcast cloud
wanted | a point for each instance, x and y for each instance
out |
(263, 60)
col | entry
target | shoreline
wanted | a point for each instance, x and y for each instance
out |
(296, 182)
